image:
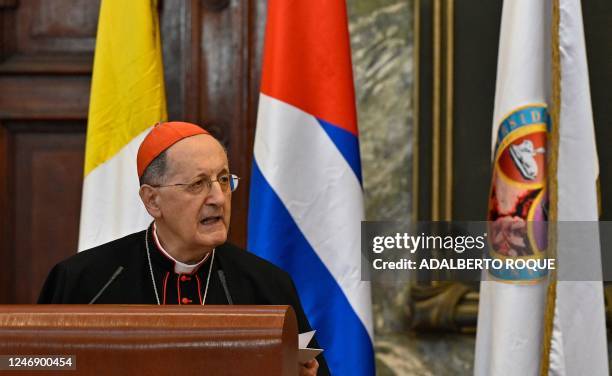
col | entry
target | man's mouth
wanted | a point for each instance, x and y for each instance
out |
(211, 220)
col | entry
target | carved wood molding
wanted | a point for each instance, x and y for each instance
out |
(8, 3)
(17, 64)
(7, 27)
(56, 46)
(215, 5)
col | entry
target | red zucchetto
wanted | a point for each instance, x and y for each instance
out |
(161, 137)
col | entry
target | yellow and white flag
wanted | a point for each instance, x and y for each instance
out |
(544, 169)
(127, 99)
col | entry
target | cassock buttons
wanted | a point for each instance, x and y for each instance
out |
(185, 278)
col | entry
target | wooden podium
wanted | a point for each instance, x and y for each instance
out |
(155, 340)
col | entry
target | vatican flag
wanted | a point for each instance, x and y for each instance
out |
(545, 170)
(127, 99)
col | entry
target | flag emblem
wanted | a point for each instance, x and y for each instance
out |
(518, 201)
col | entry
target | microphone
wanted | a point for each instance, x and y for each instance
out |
(115, 275)
(224, 284)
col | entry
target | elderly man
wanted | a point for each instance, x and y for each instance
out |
(182, 257)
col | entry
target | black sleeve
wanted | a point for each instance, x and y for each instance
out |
(304, 326)
(53, 289)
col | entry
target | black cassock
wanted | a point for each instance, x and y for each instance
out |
(249, 279)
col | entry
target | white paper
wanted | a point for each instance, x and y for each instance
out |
(304, 353)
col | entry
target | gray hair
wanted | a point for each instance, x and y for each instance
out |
(155, 173)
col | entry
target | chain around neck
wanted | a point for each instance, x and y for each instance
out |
(153, 276)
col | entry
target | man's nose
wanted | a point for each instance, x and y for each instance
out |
(216, 196)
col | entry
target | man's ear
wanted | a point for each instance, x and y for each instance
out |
(150, 198)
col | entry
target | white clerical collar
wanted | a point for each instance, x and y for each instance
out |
(179, 267)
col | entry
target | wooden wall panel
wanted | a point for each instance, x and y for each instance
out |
(6, 201)
(47, 178)
(45, 67)
(44, 97)
(67, 26)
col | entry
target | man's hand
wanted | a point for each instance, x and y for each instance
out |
(309, 368)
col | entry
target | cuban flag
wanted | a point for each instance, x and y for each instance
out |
(306, 200)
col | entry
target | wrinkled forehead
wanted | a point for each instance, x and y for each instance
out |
(200, 154)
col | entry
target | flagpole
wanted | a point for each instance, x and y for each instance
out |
(552, 164)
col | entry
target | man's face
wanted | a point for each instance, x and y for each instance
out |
(195, 220)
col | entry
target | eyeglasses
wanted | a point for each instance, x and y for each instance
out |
(204, 184)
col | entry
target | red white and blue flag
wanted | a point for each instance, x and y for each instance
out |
(306, 200)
